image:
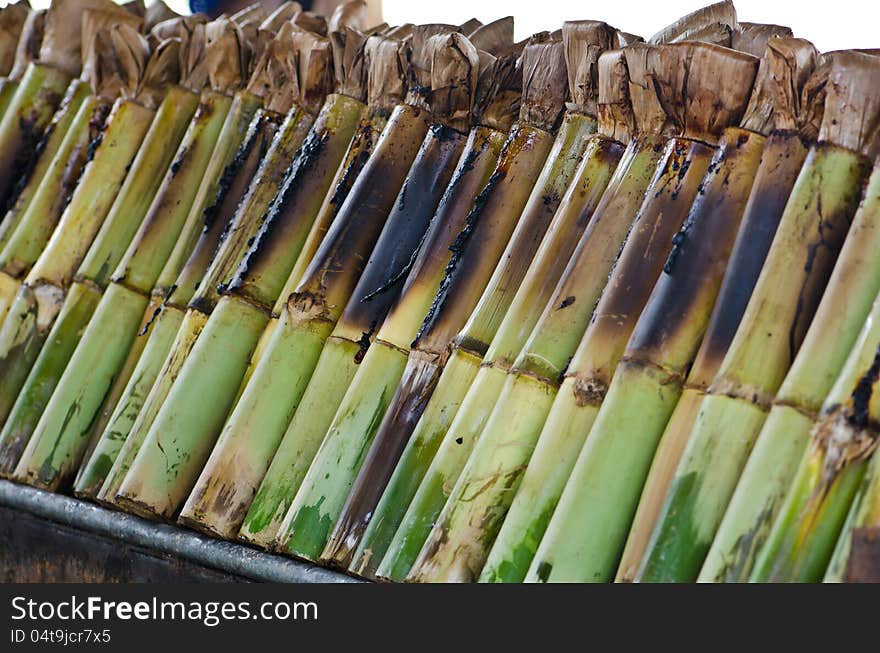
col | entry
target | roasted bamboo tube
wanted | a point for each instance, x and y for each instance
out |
(777, 123)
(242, 313)
(129, 251)
(583, 43)
(242, 145)
(248, 435)
(309, 425)
(503, 448)
(112, 186)
(284, 155)
(353, 428)
(808, 240)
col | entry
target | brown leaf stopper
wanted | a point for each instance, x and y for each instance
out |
(498, 96)
(785, 68)
(253, 14)
(753, 37)
(387, 71)
(700, 88)
(12, 20)
(420, 54)
(135, 7)
(29, 43)
(545, 84)
(349, 62)
(179, 27)
(455, 67)
(213, 54)
(311, 22)
(156, 13)
(62, 37)
(351, 14)
(584, 41)
(494, 38)
(852, 104)
(614, 108)
(470, 26)
(100, 68)
(162, 70)
(706, 21)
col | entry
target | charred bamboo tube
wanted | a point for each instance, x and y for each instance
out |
(471, 520)
(353, 427)
(788, 117)
(507, 185)
(609, 224)
(128, 161)
(356, 542)
(234, 243)
(785, 434)
(241, 146)
(248, 299)
(843, 439)
(97, 357)
(46, 153)
(569, 149)
(731, 415)
(30, 227)
(253, 432)
(63, 40)
(123, 406)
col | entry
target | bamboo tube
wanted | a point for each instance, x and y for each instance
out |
(284, 154)
(779, 112)
(503, 448)
(249, 130)
(106, 189)
(57, 164)
(833, 466)
(248, 299)
(99, 354)
(583, 42)
(254, 429)
(785, 434)
(315, 412)
(622, 199)
(804, 250)
(361, 411)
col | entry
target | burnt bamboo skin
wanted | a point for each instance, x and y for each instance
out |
(256, 427)
(106, 200)
(292, 459)
(808, 240)
(583, 42)
(140, 243)
(504, 447)
(243, 311)
(252, 122)
(781, 116)
(308, 506)
(234, 247)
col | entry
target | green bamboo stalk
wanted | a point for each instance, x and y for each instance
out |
(788, 113)
(167, 309)
(41, 296)
(361, 411)
(153, 241)
(38, 95)
(155, 491)
(310, 424)
(803, 253)
(471, 520)
(843, 438)
(45, 156)
(785, 435)
(254, 430)
(583, 42)
(622, 198)
(30, 230)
